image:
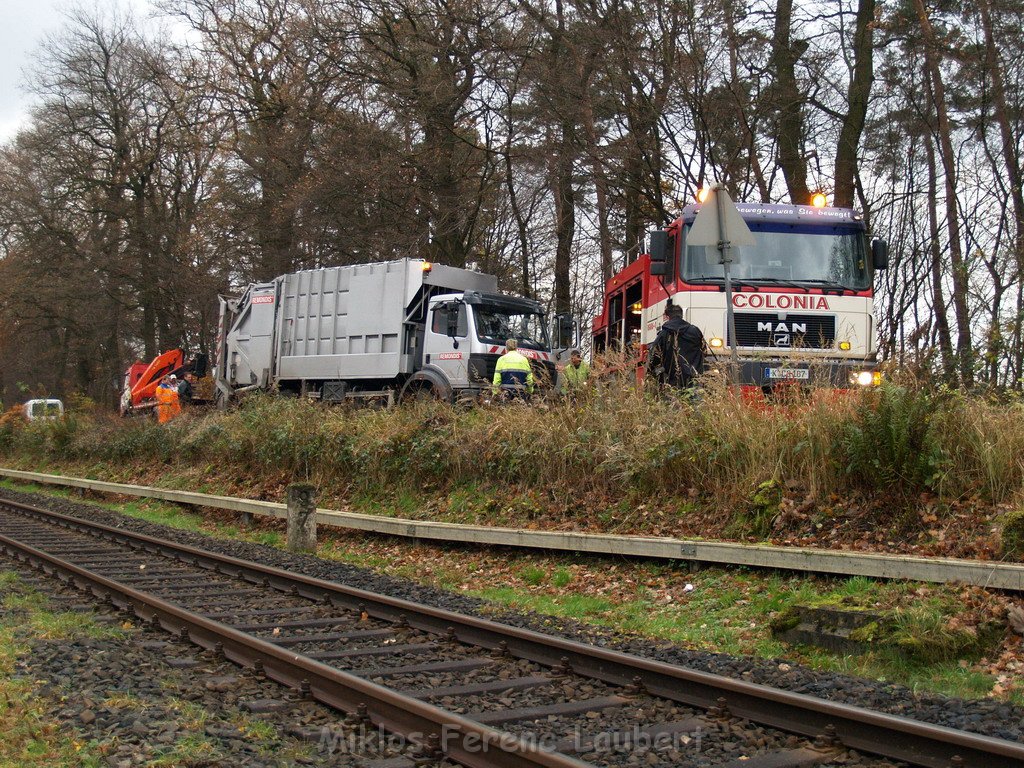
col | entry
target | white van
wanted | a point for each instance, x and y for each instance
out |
(38, 410)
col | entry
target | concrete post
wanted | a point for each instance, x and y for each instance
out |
(301, 518)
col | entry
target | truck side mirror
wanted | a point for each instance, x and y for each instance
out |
(456, 312)
(658, 251)
(565, 331)
(880, 254)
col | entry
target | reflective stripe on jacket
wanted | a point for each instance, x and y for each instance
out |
(513, 370)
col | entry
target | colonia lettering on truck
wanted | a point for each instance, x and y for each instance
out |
(802, 295)
(782, 301)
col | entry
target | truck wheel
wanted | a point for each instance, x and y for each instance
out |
(424, 390)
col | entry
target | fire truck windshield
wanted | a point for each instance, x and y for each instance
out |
(494, 325)
(829, 256)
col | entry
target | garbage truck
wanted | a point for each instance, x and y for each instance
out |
(386, 331)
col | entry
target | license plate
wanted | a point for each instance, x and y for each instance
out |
(802, 374)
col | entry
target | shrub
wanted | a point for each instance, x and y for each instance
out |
(925, 635)
(984, 444)
(561, 578)
(890, 444)
(533, 576)
(1011, 535)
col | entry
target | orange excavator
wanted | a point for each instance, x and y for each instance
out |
(138, 393)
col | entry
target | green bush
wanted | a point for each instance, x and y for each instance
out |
(890, 443)
(925, 635)
(1011, 535)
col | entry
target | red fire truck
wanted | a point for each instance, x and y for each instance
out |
(802, 296)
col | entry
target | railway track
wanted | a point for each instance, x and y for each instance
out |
(465, 689)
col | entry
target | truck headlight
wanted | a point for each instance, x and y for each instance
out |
(716, 342)
(845, 346)
(864, 378)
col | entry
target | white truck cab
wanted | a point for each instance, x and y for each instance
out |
(466, 334)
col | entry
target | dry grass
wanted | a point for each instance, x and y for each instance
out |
(617, 442)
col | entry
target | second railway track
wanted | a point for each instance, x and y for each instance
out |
(466, 689)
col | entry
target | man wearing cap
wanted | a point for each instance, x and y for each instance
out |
(513, 373)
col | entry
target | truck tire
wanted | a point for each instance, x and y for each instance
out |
(425, 386)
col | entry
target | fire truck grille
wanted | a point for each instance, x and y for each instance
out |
(765, 329)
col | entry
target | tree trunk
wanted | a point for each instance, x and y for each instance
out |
(734, 88)
(1012, 162)
(565, 202)
(604, 234)
(938, 299)
(965, 356)
(148, 326)
(632, 193)
(565, 218)
(788, 102)
(526, 283)
(857, 109)
(446, 246)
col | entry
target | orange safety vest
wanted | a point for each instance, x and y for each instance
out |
(167, 404)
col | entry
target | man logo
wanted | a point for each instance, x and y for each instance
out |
(782, 334)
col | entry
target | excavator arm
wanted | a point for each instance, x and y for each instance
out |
(141, 380)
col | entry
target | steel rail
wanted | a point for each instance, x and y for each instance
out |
(465, 741)
(891, 736)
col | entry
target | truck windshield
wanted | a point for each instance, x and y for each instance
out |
(829, 257)
(495, 325)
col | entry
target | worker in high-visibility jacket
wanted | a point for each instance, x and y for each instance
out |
(167, 403)
(513, 373)
(576, 374)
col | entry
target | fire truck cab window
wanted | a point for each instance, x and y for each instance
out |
(439, 320)
(826, 254)
(634, 311)
(672, 258)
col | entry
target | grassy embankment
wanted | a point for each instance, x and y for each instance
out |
(727, 611)
(900, 468)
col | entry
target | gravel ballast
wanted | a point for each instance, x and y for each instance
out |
(989, 716)
(142, 698)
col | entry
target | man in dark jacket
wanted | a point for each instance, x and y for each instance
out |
(185, 390)
(676, 358)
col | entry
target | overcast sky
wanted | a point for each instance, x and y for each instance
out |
(23, 26)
